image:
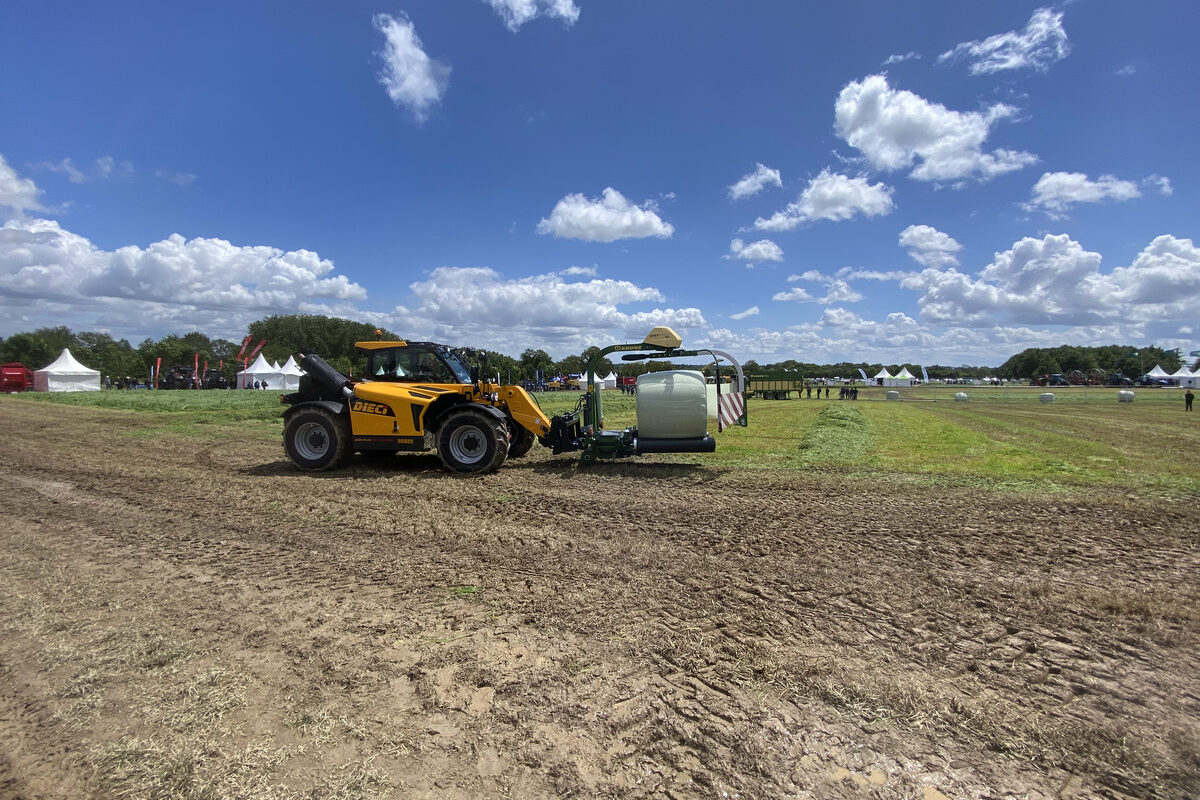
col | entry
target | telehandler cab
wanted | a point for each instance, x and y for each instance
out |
(420, 396)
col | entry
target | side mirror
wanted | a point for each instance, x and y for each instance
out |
(474, 374)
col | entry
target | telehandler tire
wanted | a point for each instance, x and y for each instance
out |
(472, 442)
(317, 440)
(520, 439)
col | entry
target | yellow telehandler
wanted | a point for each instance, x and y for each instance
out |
(420, 396)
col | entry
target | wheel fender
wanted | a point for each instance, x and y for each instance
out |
(495, 412)
(332, 406)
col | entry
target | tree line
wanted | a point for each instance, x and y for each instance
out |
(333, 339)
(1126, 360)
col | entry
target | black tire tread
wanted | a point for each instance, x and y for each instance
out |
(522, 439)
(494, 429)
(337, 424)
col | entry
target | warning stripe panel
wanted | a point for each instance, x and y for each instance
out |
(730, 409)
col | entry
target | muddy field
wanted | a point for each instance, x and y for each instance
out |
(188, 617)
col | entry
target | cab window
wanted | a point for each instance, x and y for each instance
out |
(411, 364)
(389, 365)
(427, 367)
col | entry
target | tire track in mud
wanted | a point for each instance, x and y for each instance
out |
(1026, 661)
(715, 630)
(32, 763)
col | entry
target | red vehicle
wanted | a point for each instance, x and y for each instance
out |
(15, 377)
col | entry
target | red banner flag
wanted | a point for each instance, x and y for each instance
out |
(255, 351)
(245, 342)
(157, 371)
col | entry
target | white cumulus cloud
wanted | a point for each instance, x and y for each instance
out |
(754, 182)
(929, 246)
(896, 128)
(177, 178)
(1163, 279)
(66, 167)
(478, 305)
(839, 291)
(604, 219)
(754, 252)
(411, 77)
(1055, 281)
(104, 168)
(872, 274)
(40, 259)
(1160, 184)
(17, 193)
(1056, 192)
(50, 275)
(831, 196)
(1040, 44)
(837, 288)
(798, 294)
(1052, 280)
(752, 311)
(516, 13)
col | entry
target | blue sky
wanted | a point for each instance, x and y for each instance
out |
(941, 182)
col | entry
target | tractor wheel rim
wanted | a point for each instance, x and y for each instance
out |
(312, 441)
(467, 444)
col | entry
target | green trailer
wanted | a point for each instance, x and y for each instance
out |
(777, 386)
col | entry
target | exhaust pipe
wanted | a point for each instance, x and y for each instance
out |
(326, 380)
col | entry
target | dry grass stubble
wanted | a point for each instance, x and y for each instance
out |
(644, 630)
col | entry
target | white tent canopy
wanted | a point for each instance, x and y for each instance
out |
(610, 380)
(901, 378)
(1182, 372)
(66, 375)
(260, 370)
(1158, 372)
(290, 372)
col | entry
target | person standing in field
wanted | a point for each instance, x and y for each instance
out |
(1187, 400)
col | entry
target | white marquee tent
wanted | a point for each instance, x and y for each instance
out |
(66, 375)
(901, 378)
(291, 372)
(1185, 378)
(1158, 372)
(260, 370)
(610, 380)
(882, 377)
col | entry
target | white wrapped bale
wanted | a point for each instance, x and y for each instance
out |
(1046, 397)
(1124, 396)
(960, 397)
(672, 405)
(893, 395)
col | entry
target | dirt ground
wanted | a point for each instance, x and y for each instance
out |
(189, 617)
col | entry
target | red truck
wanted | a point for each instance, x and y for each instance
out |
(15, 377)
